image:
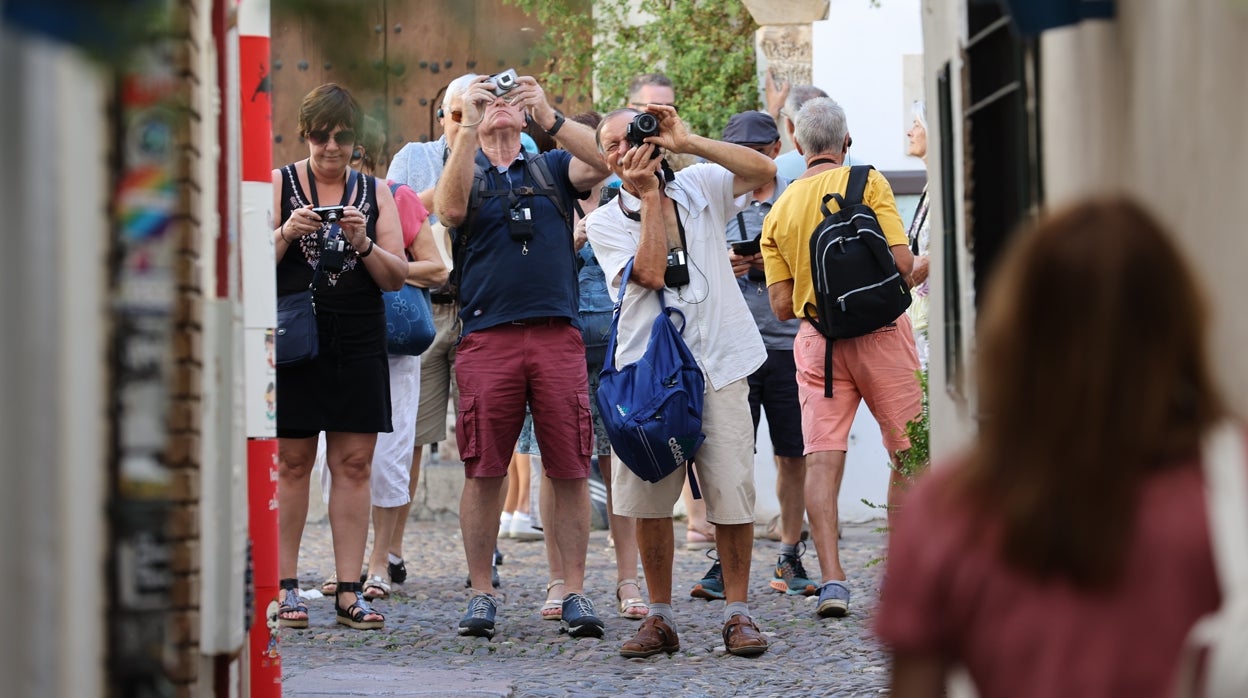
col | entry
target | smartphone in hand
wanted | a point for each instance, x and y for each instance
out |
(746, 248)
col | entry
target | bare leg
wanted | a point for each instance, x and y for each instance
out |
(568, 527)
(405, 510)
(695, 509)
(656, 543)
(385, 521)
(824, 470)
(479, 507)
(520, 479)
(512, 499)
(790, 491)
(294, 458)
(624, 529)
(735, 543)
(350, 459)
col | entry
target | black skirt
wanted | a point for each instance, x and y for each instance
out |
(346, 387)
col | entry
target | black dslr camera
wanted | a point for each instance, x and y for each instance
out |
(504, 82)
(640, 128)
(677, 272)
(329, 214)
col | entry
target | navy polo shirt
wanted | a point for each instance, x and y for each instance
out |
(502, 279)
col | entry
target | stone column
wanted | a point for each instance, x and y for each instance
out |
(783, 42)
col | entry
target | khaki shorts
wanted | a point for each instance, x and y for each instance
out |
(437, 375)
(880, 368)
(725, 466)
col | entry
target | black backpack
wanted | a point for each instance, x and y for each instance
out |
(539, 173)
(857, 286)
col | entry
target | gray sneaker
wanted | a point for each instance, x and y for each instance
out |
(833, 600)
(478, 621)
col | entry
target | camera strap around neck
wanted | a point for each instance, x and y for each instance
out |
(350, 178)
(680, 226)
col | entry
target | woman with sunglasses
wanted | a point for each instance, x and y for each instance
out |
(348, 256)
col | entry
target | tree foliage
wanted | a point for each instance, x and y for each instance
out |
(705, 46)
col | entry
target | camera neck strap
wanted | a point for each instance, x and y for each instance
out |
(349, 183)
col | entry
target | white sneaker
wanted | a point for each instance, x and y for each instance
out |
(522, 528)
(504, 525)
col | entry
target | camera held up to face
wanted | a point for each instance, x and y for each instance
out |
(504, 82)
(640, 128)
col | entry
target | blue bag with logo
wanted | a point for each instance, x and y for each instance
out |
(652, 409)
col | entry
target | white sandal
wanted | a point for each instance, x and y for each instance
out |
(376, 588)
(555, 605)
(635, 602)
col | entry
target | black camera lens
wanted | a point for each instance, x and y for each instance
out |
(640, 128)
(646, 124)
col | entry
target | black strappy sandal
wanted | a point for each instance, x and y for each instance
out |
(290, 588)
(353, 616)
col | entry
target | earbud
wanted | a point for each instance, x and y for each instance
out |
(440, 113)
(357, 153)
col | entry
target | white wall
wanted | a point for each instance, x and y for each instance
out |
(859, 58)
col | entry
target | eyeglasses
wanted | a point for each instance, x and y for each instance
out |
(321, 137)
(457, 116)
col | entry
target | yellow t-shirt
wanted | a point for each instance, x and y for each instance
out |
(794, 216)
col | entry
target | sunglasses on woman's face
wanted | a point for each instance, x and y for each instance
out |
(321, 137)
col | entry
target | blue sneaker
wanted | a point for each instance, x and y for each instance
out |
(833, 600)
(712, 585)
(790, 575)
(478, 621)
(578, 618)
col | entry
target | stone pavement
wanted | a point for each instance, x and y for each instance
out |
(419, 652)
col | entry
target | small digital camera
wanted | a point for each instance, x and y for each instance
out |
(639, 129)
(746, 248)
(677, 272)
(504, 82)
(520, 223)
(334, 253)
(329, 214)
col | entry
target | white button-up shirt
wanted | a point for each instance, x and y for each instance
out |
(719, 328)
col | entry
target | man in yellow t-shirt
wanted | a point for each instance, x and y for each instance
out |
(880, 367)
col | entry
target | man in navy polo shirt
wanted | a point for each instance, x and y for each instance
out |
(520, 342)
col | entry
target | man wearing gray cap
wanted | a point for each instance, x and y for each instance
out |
(773, 386)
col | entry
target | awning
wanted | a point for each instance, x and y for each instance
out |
(1034, 16)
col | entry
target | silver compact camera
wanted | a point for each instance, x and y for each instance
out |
(329, 214)
(504, 82)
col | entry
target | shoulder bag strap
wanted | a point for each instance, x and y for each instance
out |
(857, 186)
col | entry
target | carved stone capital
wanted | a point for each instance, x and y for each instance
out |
(786, 51)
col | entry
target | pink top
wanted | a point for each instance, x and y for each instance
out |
(1018, 637)
(412, 211)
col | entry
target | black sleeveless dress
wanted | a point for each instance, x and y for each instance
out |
(347, 387)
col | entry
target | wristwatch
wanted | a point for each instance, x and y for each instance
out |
(368, 251)
(557, 125)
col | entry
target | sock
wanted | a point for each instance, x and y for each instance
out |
(394, 559)
(789, 550)
(736, 608)
(664, 611)
(505, 519)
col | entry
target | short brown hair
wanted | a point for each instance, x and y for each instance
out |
(1092, 374)
(328, 106)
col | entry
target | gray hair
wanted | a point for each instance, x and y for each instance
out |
(605, 119)
(799, 95)
(820, 126)
(640, 81)
(919, 111)
(457, 87)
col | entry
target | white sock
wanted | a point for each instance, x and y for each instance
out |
(394, 559)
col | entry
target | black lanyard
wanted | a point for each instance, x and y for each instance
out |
(346, 189)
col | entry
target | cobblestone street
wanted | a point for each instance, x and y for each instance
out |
(419, 652)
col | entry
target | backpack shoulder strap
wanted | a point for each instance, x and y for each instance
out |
(857, 186)
(539, 170)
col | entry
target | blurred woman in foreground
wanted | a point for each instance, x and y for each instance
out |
(1067, 554)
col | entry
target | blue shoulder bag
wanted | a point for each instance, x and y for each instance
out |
(652, 409)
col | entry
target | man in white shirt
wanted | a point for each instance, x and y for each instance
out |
(654, 213)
